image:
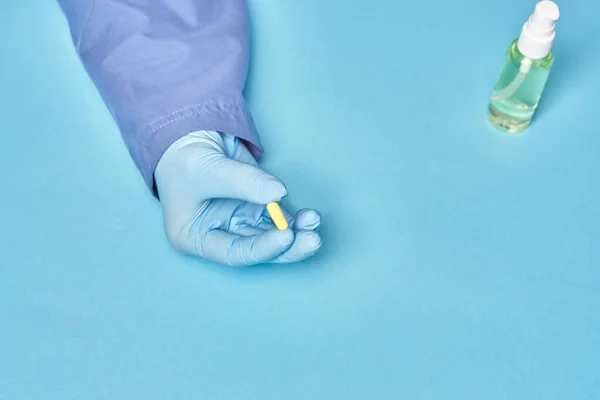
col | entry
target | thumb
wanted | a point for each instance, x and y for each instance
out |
(237, 180)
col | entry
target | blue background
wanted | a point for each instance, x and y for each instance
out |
(458, 263)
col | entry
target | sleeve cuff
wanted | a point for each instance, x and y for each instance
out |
(227, 117)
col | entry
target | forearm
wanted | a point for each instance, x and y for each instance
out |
(166, 68)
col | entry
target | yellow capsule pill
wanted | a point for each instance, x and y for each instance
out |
(277, 216)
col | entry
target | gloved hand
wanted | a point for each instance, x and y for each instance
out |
(213, 196)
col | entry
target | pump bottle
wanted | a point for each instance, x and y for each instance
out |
(525, 71)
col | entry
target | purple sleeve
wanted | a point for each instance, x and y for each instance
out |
(166, 68)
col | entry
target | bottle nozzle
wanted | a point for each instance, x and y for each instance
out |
(537, 36)
(545, 14)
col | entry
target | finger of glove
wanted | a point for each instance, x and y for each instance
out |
(246, 230)
(304, 220)
(306, 244)
(307, 220)
(237, 180)
(237, 250)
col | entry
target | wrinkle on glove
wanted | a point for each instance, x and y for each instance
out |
(214, 197)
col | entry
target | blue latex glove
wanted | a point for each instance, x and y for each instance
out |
(213, 196)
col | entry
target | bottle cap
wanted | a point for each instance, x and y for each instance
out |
(538, 33)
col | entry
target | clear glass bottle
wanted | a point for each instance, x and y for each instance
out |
(513, 109)
(525, 72)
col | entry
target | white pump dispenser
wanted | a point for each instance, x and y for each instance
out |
(537, 35)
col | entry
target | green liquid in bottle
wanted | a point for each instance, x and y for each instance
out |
(513, 113)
